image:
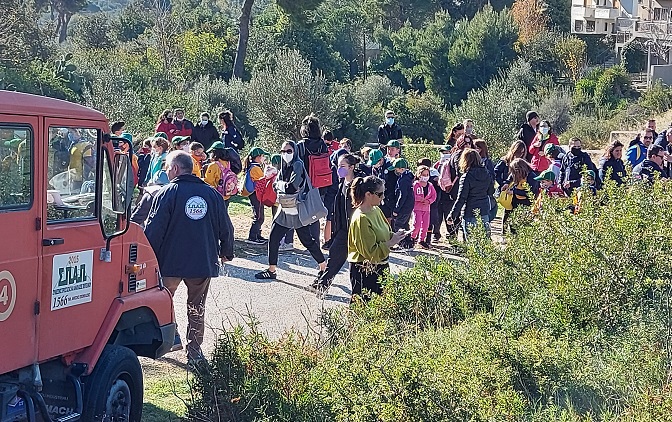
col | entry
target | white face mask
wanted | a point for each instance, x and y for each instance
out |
(445, 157)
(204, 122)
(544, 130)
(186, 148)
(424, 178)
(288, 157)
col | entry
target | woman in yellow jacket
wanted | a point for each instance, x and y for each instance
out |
(370, 236)
(254, 173)
(213, 173)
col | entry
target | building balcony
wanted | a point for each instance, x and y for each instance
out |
(596, 12)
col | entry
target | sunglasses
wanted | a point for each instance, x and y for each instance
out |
(286, 151)
(660, 156)
(379, 194)
(648, 137)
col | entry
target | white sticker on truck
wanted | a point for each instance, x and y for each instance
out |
(71, 280)
(7, 294)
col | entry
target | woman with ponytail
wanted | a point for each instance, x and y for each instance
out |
(370, 236)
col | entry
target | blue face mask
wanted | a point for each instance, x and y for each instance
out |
(390, 121)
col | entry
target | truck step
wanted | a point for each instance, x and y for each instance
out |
(69, 418)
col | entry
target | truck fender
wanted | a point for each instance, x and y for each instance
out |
(128, 312)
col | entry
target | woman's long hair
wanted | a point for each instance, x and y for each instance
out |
(469, 158)
(609, 153)
(310, 128)
(519, 169)
(516, 150)
(163, 116)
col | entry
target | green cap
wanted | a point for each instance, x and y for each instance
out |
(549, 148)
(394, 144)
(127, 136)
(216, 145)
(375, 155)
(399, 163)
(589, 173)
(275, 159)
(546, 175)
(160, 135)
(256, 151)
(445, 148)
(177, 140)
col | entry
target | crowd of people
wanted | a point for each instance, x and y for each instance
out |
(372, 201)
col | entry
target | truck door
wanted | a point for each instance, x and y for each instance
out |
(20, 211)
(77, 287)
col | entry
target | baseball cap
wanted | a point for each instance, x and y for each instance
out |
(276, 159)
(549, 148)
(589, 173)
(256, 151)
(546, 175)
(216, 145)
(127, 136)
(179, 139)
(160, 135)
(375, 155)
(394, 144)
(445, 148)
(399, 163)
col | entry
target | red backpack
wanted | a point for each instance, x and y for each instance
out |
(228, 182)
(319, 170)
(265, 192)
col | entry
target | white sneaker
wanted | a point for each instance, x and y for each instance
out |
(284, 247)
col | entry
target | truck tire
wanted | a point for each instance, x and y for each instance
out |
(113, 391)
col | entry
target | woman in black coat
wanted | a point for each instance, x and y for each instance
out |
(611, 165)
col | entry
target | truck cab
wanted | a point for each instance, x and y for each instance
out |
(81, 295)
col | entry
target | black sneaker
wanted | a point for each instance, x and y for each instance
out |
(255, 241)
(266, 275)
(425, 245)
(262, 239)
(437, 237)
(327, 244)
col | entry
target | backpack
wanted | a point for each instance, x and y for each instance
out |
(232, 156)
(249, 185)
(228, 183)
(446, 180)
(320, 170)
(265, 192)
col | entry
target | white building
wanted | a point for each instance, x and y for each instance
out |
(647, 22)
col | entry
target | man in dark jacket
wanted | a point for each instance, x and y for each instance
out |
(205, 132)
(404, 200)
(573, 165)
(189, 212)
(184, 126)
(528, 131)
(652, 166)
(389, 130)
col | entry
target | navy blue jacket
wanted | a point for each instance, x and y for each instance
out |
(404, 194)
(189, 228)
(617, 170)
(647, 170)
(572, 166)
(501, 171)
(474, 191)
(205, 135)
(232, 138)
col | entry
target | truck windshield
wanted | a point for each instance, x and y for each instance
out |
(71, 175)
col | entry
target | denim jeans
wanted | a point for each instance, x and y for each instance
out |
(469, 223)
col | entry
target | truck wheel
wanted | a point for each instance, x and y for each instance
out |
(113, 392)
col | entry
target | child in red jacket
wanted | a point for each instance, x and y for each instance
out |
(425, 195)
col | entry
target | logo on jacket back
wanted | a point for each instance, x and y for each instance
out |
(196, 208)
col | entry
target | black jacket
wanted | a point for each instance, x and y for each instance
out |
(454, 164)
(232, 138)
(617, 170)
(572, 166)
(647, 170)
(189, 228)
(206, 135)
(404, 194)
(390, 177)
(501, 170)
(474, 190)
(185, 124)
(388, 133)
(527, 134)
(342, 208)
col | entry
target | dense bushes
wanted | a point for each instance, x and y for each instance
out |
(568, 322)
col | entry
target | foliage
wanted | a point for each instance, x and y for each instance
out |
(571, 52)
(576, 331)
(499, 108)
(556, 107)
(530, 17)
(94, 31)
(657, 99)
(422, 116)
(277, 113)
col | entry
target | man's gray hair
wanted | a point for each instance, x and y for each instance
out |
(182, 160)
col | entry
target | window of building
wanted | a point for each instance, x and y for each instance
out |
(590, 26)
(16, 180)
(71, 173)
(578, 26)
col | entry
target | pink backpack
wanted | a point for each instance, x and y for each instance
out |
(446, 181)
(228, 183)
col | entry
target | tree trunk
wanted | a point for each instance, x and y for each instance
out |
(62, 27)
(241, 52)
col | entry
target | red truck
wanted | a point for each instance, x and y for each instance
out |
(81, 296)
